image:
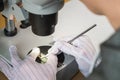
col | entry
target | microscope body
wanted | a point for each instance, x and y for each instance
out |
(43, 15)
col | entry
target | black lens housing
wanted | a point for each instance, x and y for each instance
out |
(1, 5)
(43, 25)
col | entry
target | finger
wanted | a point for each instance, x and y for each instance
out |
(85, 43)
(81, 40)
(68, 48)
(54, 49)
(78, 53)
(60, 45)
(13, 52)
(56, 39)
(66, 38)
(35, 52)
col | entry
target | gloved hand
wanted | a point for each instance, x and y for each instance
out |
(29, 69)
(82, 49)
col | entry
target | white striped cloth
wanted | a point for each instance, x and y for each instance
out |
(28, 69)
(83, 51)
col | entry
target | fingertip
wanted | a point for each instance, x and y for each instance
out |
(53, 50)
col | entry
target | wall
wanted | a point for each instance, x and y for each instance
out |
(2, 21)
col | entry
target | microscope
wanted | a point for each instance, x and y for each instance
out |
(42, 16)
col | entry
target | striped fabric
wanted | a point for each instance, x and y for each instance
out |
(83, 51)
(28, 69)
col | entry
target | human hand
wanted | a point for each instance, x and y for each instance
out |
(82, 49)
(29, 69)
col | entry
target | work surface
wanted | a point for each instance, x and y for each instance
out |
(2, 76)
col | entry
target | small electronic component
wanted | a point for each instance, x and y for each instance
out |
(41, 58)
(39, 55)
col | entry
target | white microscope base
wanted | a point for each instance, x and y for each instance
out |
(25, 40)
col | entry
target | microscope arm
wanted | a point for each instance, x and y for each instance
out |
(11, 8)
